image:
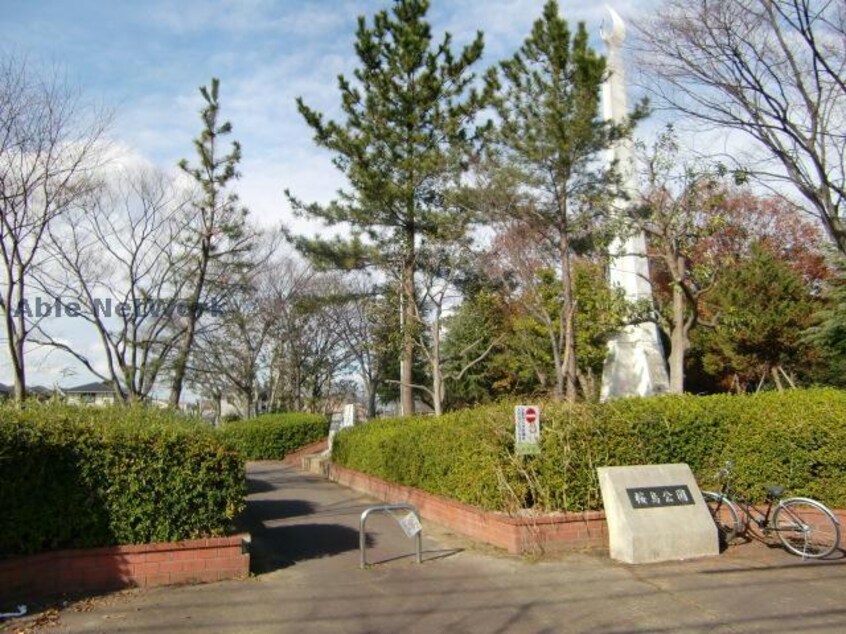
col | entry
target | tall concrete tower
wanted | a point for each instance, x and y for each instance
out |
(635, 363)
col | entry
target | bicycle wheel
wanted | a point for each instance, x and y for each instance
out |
(725, 514)
(806, 528)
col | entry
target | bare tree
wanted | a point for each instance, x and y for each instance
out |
(772, 69)
(116, 259)
(440, 270)
(48, 152)
(231, 349)
(291, 280)
(356, 313)
(308, 353)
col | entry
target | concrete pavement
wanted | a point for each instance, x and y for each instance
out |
(305, 554)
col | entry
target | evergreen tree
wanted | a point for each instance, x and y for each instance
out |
(552, 132)
(216, 238)
(478, 326)
(828, 332)
(402, 146)
(761, 308)
(602, 312)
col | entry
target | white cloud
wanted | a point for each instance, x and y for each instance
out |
(267, 53)
(246, 16)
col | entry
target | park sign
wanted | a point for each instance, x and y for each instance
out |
(526, 430)
(656, 513)
(655, 497)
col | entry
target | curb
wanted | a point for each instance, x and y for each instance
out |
(48, 574)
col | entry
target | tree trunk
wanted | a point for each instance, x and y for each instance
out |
(567, 371)
(437, 374)
(678, 339)
(17, 334)
(248, 404)
(20, 372)
(370, 392)
(407, 319)
(776, 378)
(587, 382)
(558, 391)
(181, 362)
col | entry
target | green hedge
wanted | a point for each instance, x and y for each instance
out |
(85, 476)
(796, 438)
(273, 436)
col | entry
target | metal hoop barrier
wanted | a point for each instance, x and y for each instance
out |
(387, 508)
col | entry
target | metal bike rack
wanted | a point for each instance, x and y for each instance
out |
(387, 508)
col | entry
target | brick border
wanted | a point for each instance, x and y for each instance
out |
(115, 567)
(295, 458)
(520, 535)
(535, 535)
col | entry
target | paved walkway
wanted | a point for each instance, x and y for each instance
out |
(305, 554)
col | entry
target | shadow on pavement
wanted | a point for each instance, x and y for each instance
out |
(255, 485)
(427, 555)
(259, 511)
(282, 546)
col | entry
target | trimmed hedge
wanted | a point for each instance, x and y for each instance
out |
(85, 477)
(795, 438)
(273, 436)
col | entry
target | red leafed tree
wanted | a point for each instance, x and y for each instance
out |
(776, 224)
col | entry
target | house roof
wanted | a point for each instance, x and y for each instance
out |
(100, 387)
(38, 390)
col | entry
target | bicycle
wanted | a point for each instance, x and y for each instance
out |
(804, 526)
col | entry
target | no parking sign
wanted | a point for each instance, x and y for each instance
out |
(526, 430)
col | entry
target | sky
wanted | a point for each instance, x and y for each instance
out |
(144, 61)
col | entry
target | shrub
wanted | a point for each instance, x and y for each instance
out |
(796, 438)
(273, 436)
(85, 476)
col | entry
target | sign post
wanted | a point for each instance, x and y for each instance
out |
(527, 430)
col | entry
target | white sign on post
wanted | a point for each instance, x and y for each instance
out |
(527, 430)
(410, 524)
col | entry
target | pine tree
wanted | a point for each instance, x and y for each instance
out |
(216, 234)
(552, 132)
(403, 144)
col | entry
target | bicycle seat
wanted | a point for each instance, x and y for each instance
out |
(775, 491)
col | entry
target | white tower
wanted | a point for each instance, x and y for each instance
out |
(635, 363)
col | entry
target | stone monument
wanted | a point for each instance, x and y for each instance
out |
(635, 363)
(656, 513)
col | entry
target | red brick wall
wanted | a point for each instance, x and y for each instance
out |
(115, 567)
(295, 457)
(519, 535)
(550, 533)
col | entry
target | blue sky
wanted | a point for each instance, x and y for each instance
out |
(145, 60)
